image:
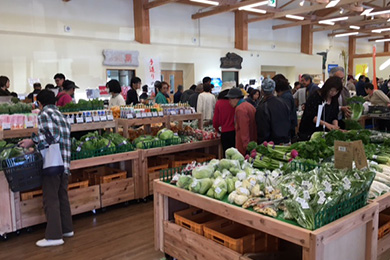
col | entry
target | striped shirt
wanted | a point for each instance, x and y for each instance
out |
(50, 119)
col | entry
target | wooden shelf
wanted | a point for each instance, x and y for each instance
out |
(383, 201)
(17, 133)
(93, 126)
(185, 117)
(383, 244)
(101, 160)
(141, 121)
(313, 243)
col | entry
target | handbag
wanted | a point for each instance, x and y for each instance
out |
(53, 163)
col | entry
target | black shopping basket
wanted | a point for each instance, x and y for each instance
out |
(24, 172)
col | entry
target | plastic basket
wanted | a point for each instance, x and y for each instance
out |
(167, 175)
(153, 144)
(99, 152)
(173, 141)
(194, 219)
(124, 148)
(24, 173)
(340, 210)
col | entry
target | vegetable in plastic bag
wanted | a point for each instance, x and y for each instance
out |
(203, 172)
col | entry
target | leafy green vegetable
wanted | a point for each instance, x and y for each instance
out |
(356, 104)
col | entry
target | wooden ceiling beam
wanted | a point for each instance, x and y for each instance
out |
(380, 38)
(368, 30)
(346, 26)
(369, 55)
(286, 4)
(157, 3)
(141, 22)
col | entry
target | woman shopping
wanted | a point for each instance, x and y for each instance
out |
(54, 186)
(327, 97)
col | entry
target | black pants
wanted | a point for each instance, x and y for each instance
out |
(56, 206)
(228, 140)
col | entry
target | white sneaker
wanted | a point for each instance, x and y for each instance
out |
(49, 242)
(69, 234)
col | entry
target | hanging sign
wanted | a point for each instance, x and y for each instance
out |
(120, 58)
(152, 72)
(272, 3)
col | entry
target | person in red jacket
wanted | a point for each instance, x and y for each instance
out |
(244, 117)
(223, 120)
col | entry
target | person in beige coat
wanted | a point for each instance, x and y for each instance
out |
(206, 103)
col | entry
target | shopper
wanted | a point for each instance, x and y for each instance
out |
(245, 124)
(307, 82)
(206, 80)
(327, 95)
(360, 86)
(241, 86)
(65, 96)
(223, 119)
(351, 83)
(4, 86)
(297, 86)
(273, 115)
(185, 97)
(144, 96)
(254, 97)
(132, 95)
(206, 103)
(37, 88)
(162, 91)
(345, 110)
(54, 187)
(59, 79)
(284, 92)
(115, 89)
(178, 94)
(376, 97)
(193, 101)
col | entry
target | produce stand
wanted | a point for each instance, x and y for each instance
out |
(384, 242)
(127, 123)
(183, 244)
(181, 118)
(17, 133)
(93, 126)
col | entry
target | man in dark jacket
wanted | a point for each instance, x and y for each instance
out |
(178, 94)
(360, 86)
(272, 116)
(185, 97)
(194, 97)
(132, 95)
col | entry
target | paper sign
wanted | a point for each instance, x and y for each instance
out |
(6, 126)
(129, 116)
(343, 155)
(103, 118)
(319, 114)
(110, 117)
(96, 119)
(29, 124)
(88, 119)
(79, 120)
(359, 155)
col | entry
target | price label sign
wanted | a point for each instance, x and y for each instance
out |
(29, 124)
(149, 114)
(129, 116)
(155, 114)
(88, 119)
(110, 117)
(103, 118)
(96, 119)
(79, 120)
(143, 114)
(6, 126)
(70, 120)
(161, 113)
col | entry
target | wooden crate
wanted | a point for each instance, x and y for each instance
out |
(154, 168)
(104, 174)
(232, 235)
(117, 191)
(36, 193)
(194, 219)
(175, 160)
(200, 157)
(81, 200)
(384, 225)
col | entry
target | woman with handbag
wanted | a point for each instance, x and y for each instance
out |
(53, 141)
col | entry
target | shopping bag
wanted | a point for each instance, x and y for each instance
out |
(53, 163)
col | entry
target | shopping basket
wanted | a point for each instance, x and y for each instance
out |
(24, 172)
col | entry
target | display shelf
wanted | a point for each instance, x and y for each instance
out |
(384, 242)
(181, 118)
(6, 202)
(127, 123)
(313, 243)
(17, 133)
(102, 160)
(93, 126)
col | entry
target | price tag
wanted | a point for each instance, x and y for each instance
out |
(275, 174)
(70, 120)
(270, 189)
(138, 115)
(161, 113)
(129, 116)
(29, 124)
(253, 182)
(303, 203)
(356, 175)
(155, 114)
(328, 186)
(6, 126)
(346, 183)
(96, 119)
(103, 118)
(306, 185)
(78, 149)
(292, 189)
(88, 119)
(218, 190)
(149, 114)
(322, 199)
(306, 195)
(110, 117)
(143, 114)
(80, 120)
(173, 112)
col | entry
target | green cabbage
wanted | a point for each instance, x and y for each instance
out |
(234, 154)
(203, 172)
(165, 134)
(184, 181)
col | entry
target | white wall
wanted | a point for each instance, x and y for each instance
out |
(35, 44)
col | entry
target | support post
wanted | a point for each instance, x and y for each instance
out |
(141, 22)
(241, 30)
(386, 47)
(351, 54)
(307, 39)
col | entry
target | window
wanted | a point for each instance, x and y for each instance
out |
(123, 76)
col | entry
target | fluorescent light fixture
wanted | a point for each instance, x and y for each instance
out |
(332, 3)
(302, 3)
(253, 5)
(385, 65)
(383, 40)
(255, 10)
(206, 2)
(327, 23)
(378, 13)
(380, 30)
(388, 20)
(331, 21)
(367, 11)
(354, 27)
(346, 34)
(296, 17)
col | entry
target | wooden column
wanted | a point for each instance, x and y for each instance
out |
(351, 54)
(386, 47)
(307, 39)
(141, 22)
(241, 30)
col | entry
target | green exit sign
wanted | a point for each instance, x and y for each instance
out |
(272, 3)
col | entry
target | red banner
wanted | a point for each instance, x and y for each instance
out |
(374, 67)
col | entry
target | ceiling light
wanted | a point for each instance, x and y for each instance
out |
(388, 20)
(378, 13)
(302, 3)
(296, 17)
(346, 34)
(383, 40)
(385, 65)
(206, 2)
(354, 27)
(380, 30)
(253, 5)
(260, 11)
(367, 11)
(330, 21)
(327, 23)
(341, 10)
(332, 3)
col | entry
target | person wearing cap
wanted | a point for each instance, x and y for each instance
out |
(244, 119)
(272, 116)
(65, 96)
(223, 119)
(193, 101)
(206, 103)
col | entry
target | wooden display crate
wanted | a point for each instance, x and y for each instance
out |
(231, 235)
(103, 174)
(154, 168)
(36, 193)
(200, 157)
(194, 219)
(82, 199)
(117, 191)
(175, 160)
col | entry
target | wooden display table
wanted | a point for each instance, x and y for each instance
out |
(184, 244)
(384, 242)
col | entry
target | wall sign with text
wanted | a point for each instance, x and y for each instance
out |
(120, 58)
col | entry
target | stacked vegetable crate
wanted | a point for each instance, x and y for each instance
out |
(154, 168)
